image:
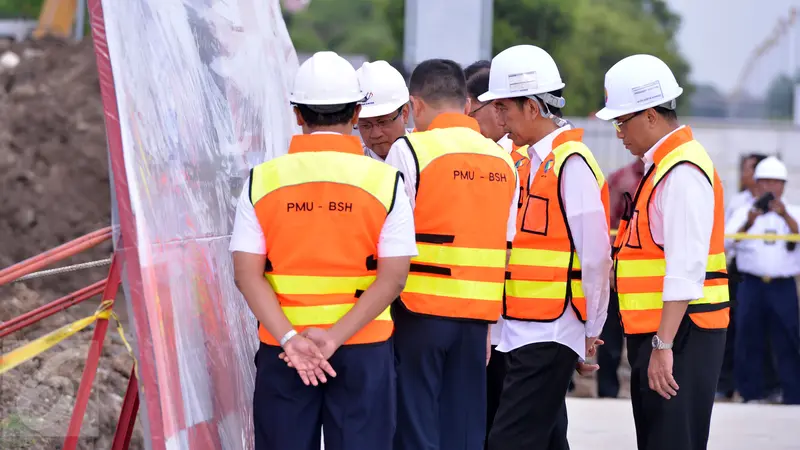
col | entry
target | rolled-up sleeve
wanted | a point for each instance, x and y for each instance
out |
(687, 204)
(247, 235)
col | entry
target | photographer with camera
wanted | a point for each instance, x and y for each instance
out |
(767, 296)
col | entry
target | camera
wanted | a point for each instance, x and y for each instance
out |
(763, 202)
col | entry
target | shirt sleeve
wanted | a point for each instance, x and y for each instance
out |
(397, 236)
(687, 204)
(511, 228)
(247, 234)
(737, 219)
(401, 158)
(586, 217)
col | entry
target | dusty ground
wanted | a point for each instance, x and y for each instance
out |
(54, 188)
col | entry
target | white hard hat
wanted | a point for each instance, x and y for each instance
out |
(771, 168)
(521, 71)
(384, 87)
(326, 79)
(637, 83)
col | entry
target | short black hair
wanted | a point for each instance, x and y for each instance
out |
(320, 119)
(520, 101)
(476, 67)
(758, 157)
(669, 114)
(478, 83)
(439, 81)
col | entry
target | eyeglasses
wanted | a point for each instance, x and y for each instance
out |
(619, 123)
(381, 123)
(475, 111)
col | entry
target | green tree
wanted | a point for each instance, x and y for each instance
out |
(780, 97)
(20, 8)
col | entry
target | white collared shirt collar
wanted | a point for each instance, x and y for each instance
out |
(545, 145)
(648, 156)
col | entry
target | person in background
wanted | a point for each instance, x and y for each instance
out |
(321, 245)
(477, 75)
(768, 301)
(622, 186)
(748, 192)
(557, 285)
(464, 194)
(385, 110)
(669, 260)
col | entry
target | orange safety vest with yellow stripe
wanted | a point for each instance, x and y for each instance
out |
(465, 186)
(544, 272)
(639, 262)
(321, 208)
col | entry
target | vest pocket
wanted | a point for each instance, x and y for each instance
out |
(633, 240)
(536, 217)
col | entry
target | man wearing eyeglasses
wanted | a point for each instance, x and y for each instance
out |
(385, 111)
(557, 286)
(669, 260)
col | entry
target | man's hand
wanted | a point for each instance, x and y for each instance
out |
(305, 356)
(778, 207)
(323, 339)
(752, 215)
(585, 369)
(659, 374)
(591, 346)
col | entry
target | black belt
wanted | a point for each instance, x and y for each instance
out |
(766, 279)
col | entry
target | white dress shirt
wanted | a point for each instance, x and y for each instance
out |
(506, 143)
(397, 236)
(587, 221)
(681, 221)
(764, 258)
(371, 154)
(744, 197)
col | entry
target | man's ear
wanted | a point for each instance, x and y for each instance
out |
(468, 106)
(354, 120)
(405, 112)
(298, 116)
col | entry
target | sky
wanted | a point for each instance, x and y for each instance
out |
(718, 36)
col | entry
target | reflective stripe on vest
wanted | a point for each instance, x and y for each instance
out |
(640, 264)
(544, 269)
(322, 214)
(465, 186)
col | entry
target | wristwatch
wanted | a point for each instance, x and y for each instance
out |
(658, 344)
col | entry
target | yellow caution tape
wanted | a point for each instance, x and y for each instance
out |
(35, 348)
(764, 237)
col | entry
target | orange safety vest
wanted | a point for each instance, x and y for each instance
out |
(321, 208)
(465, 186)
(544, 270)
(639, 262)
(523, 165)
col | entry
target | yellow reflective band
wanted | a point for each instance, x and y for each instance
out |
(634, 268)
(376, 178)
(460, 256)
(564, 151)
(448, 287)
(432, 144)
(691, 152)
(652, 300)
(308, 285)
(542, 289)
(301, 316)
(542, 258)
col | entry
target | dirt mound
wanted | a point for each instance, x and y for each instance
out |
(53, 159)
(54, 187)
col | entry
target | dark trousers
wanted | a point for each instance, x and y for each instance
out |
(768, 310)
(683, 421)
(495, 373)
(533, 412)
(609, 355)
(357, 408)
(441, 381)
(726, 384)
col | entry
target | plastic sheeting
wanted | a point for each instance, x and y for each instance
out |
(195, 93)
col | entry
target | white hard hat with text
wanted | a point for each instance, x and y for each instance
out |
(522, 71)
(637, 83)
(384, 88)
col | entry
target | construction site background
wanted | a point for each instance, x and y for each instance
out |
(54, 186)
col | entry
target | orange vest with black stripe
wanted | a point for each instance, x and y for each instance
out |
(544, 272)
(639, 262)
(523, 165)
(321, 208)
(465, 186)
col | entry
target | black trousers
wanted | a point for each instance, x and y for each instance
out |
(609, 355)
(533, 413)
(495, 373)
(727, 383)
(441, 382)
(683, 421)
(357, 408)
